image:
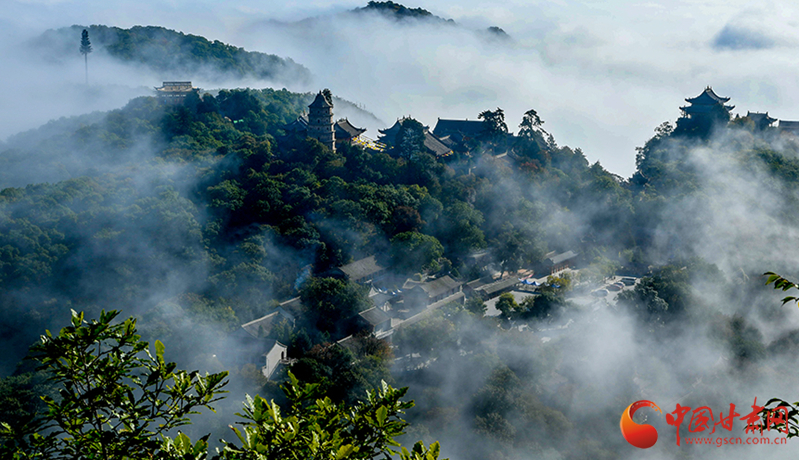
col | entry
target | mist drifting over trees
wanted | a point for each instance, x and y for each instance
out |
(233, 236)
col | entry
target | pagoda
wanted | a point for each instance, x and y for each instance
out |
(704, 110)
(345, 132)
(320, 121)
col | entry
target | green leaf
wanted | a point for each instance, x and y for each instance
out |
(418, 448)
(772, 278)
(77, 318)
(344, 451)
(159, 351)
(382, 413)
(435, 449)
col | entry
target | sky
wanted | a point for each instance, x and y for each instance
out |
(602, 75)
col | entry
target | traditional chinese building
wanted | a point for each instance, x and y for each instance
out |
(275, 356)
(360, 271)
(558, 262)
(789, 127)
(430, 292)
(761, 120)
(262, 327)
(388, 135)
(459, 130)
(375, 321)
(174, 92)
(320, 121)
(703, 111)
(298, 126)
(432, 143)
(346, 132)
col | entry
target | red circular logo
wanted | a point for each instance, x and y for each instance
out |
(642, 436)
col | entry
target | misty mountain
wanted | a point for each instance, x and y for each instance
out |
(172, 54)
(497, 33)
(401, 12)
(398, 14)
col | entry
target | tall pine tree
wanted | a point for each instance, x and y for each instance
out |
(85, 49)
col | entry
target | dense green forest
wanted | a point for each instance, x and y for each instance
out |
(199, 217)
(170, 52)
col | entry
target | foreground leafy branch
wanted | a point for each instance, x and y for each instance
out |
(782, 283)
(115, 399)
(118, 401)
(776, 404)
(316, 428)
(781, 416)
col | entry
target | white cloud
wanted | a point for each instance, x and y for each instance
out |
(602, 75)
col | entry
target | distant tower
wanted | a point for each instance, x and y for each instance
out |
(704, 111)
(320, 121)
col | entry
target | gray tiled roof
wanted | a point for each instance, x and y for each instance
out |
(759, 117)
(559, 258)
(708, 96)
(264, 324)
(498, 285)
(344, 127)
(298, 125)
(361, 268)
(435, 146)
(470, 128)
(437, 287)
(374, 316)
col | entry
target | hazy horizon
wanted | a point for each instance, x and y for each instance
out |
(601, 76)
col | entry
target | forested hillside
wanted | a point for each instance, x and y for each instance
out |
(169, 52)
(200, 217)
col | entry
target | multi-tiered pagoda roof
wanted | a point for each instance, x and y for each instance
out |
(705, 103)
(320, 102)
